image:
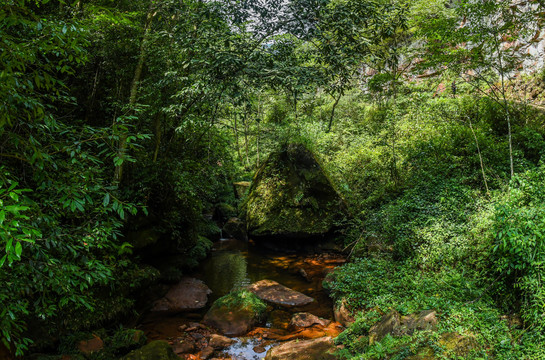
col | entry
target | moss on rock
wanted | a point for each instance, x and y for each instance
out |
(292, 195)
(235, 313)
(155, 350)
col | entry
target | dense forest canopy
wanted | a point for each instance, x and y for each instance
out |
(123, 116)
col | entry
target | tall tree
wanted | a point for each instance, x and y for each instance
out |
(484, 42)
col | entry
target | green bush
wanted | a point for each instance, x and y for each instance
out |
(518, 252)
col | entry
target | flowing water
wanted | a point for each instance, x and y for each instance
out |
(233, 264)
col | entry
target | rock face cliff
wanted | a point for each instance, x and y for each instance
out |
(292, 196)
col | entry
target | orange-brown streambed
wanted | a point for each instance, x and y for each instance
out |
(234, 264)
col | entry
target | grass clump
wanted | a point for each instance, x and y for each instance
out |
(242, 299)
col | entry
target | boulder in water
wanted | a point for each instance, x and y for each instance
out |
(275, 293)
(187, 295)
(235, 228)
(305, 320)
(220, 342)
(236, 313)
(315, 349)
(291, 195)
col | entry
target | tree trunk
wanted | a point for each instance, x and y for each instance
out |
(395, 176)
(158, 133)
(257, 142)
(333, 112)
(245, 123)
(480, 156)
(510, 144)
(295, 105)
(122, 145)
(235, 129)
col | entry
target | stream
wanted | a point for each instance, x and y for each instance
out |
(234, 264)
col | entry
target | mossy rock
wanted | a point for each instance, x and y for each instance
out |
(241, 188)
(291, 195)
(457, 344)
(155, 350)
(235, 313)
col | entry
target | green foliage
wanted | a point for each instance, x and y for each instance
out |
(14, 227)
(518, 244)
(190, 96)
(373, 286)
(242, 299)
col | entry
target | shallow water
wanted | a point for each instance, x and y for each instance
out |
(233, 264)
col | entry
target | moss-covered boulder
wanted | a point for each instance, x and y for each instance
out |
(291, 195)
(236, 313)
(235, 228)
(155, 350)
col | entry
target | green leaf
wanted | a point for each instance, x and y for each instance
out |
(18, 249)
(106, 200)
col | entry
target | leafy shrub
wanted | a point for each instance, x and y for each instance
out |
(518, 253)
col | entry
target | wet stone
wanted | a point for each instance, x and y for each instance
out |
(305, 320)
(187, 295)
(220, 342)
(184, 347)
(259, 349)
(321, 348)
(275, 293)
(207, 352)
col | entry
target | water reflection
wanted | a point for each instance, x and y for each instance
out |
(234, 264)
(224, 271)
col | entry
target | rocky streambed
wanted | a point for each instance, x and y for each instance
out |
(247, 302)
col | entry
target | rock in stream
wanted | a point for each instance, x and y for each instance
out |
(275, 293)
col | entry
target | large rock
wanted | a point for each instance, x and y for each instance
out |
(291, 195)
(241, 188)
(155, 350)
(184, 346)
(95, 344)
(316, 349)
(220, 342)
(235, 228)
(424, 320)
(305, 320)
(236, 313)
(343, 314)
(389, 324)
(275, 293)
(187, 295)
(396, 325)
(458, 344)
